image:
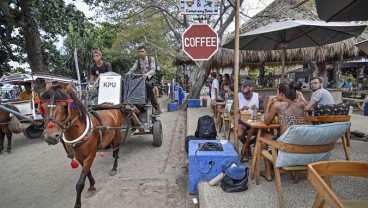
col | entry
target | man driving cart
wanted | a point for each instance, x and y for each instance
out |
(146, 66)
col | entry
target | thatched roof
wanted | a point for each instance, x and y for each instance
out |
(280, 9)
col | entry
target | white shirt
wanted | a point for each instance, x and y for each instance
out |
(215, 85)
(244, 102)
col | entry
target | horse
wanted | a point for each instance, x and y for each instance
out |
(81, 133)
(4, 128)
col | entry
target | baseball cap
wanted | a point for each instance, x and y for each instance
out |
(247, 82)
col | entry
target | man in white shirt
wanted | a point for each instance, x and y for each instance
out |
(214, 92)
(249, 102)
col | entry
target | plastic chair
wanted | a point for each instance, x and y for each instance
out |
(297, 147)
(319, 176)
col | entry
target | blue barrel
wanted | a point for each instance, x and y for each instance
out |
(366, 109)
(178, 94)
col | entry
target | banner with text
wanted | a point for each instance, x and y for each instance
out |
(199, 7)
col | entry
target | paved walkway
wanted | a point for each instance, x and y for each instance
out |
(295, 195)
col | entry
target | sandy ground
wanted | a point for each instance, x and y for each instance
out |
(37, 175)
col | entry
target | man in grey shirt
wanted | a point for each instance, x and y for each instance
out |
(319, 96)
(146, 66)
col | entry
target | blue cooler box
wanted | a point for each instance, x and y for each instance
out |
(200, 162)
(172, 107)
(194, 103)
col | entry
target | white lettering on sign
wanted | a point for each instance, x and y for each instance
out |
(200, 42)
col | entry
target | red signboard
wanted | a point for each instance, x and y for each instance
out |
(200, 42)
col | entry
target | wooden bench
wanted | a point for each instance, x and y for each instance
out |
(359, 101)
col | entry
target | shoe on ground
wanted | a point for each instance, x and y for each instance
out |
(157, 112)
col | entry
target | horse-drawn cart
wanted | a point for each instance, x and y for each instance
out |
(26, 110)
(129, 95)
(84, 126)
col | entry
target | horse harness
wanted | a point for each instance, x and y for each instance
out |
(68, 122)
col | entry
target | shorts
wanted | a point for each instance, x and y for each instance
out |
(243, 124)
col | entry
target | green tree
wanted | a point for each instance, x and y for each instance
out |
(136, 13)
(28, 29)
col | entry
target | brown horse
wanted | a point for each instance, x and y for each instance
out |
(81, 133)
(4, 128)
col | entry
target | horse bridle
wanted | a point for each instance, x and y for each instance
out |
(52, 121)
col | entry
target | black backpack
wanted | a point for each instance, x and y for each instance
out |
(206, 128)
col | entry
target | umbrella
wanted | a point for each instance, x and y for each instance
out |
(290, 34)
(342, 10)
(363, 46)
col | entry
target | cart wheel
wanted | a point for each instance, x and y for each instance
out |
(157, 133)
(33, 132)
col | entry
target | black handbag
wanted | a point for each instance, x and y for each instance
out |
(230, 185)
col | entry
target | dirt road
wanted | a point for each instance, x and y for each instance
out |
(37, 175)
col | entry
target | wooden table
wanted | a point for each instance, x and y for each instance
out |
(260, 125)
(352, 97)
(354, 93)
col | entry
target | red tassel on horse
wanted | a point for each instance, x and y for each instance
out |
(50, 124)
(74, 164)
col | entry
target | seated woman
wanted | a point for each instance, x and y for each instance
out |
(229, 95)
(289, 110)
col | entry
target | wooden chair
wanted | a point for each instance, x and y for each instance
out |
(319, 176)
(225, 113)
(331, 119)
(297, 147)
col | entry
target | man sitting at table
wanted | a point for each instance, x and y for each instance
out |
(248, 102)
(319, 96)
(290, 111)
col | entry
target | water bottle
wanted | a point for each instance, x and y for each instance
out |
(351, 108)
(254, 114)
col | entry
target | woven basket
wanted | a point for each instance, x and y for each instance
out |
(15, 126)
(245, 116)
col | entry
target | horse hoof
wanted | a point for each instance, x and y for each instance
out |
(113, 172)
(7, 152)
(90, 192)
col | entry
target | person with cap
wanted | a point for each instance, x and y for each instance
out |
(249, 102)
(99, 67)
(319, 96)
(215, 93)
(146, 66)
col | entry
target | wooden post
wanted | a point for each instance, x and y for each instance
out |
(283, 57)
(236, 74)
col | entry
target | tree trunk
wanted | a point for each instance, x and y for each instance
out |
(262, 71)
(202, 74)
(32, 38)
